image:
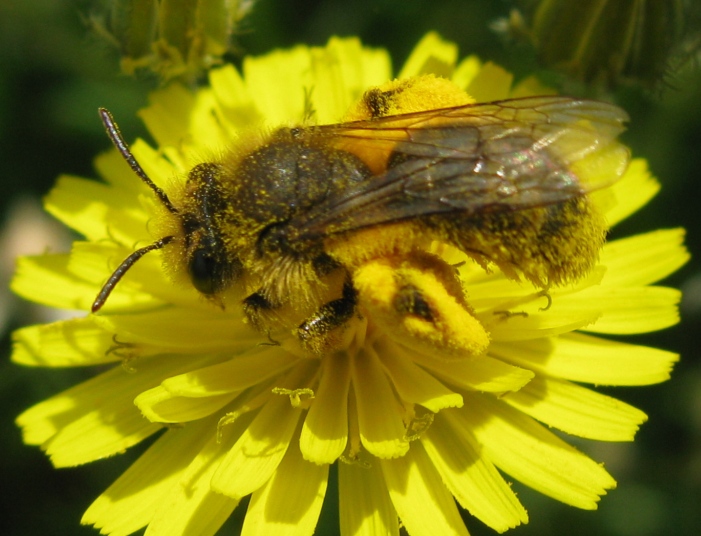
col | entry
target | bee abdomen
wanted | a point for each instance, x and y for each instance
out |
(553, 244)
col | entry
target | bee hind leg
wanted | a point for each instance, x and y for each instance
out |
(418, 301)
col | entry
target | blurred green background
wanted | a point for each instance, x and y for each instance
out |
(53, 77)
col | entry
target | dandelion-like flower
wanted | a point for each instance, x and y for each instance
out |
(242, 412)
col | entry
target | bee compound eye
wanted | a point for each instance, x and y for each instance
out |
(205, 271)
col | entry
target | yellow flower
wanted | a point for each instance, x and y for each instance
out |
(410, 433)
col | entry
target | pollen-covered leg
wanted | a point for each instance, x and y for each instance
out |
(313, 332)
(418, 300)
(311, 302)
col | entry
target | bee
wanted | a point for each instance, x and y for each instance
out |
(312, 226)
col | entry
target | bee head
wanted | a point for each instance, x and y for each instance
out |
(211, 268)
(209, 272)
(209, 263)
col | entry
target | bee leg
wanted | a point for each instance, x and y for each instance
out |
(409, 300)
(323, 265)
(328, 317)
(255, 306)
(418, 300)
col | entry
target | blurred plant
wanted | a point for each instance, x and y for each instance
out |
(606, 42)
(172, 38)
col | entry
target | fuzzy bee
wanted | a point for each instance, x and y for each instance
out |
(311, 226)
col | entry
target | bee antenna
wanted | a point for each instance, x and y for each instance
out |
(122, 269)
(118, 141)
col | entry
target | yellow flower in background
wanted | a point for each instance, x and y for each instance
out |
(243, 414)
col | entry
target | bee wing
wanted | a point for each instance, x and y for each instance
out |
(506, 155)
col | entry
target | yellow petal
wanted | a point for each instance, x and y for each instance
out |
(96, 210)
(486, 291)
(129, 503)
(466, 71)
(182, 330)
(577, 410)
(95, 263)
(476, 373)
(491, 83)
(98, 418)
(470, 476)
(630, 310)
(111, 166)
(159, 405)
(643, 259)
(75, 342)
(423, 503)
(169, 114)
(183, 513)
(528, 452)
(529, 87)
(161, 170)
(234, 374)
(325, 429)
(190, 507)
(562, 317)
(432, 55)
(415, 385)
(290, 502)
(633, 191)
(379, 415)
(282, 101)
(200, 393)
(105, 428)
(364, 502)
(258, 452)
(235, 102)
(584, 358)
(342, 71)
(47, 280)
(206, 134)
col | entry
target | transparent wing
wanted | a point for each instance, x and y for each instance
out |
(506, 155)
